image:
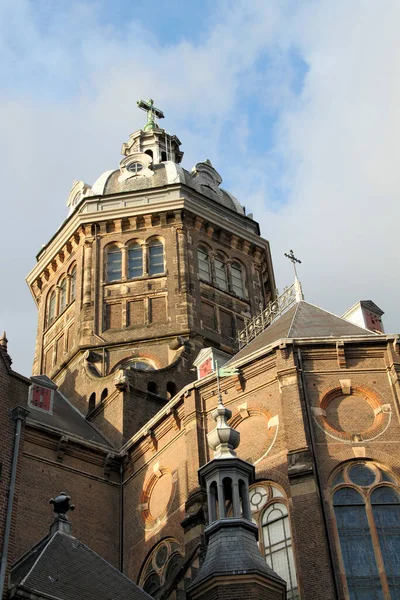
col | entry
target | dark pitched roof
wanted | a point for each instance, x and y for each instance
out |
(66, 418)
(67, 569)
(303, 320)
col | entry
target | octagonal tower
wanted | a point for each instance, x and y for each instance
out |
(152, 264)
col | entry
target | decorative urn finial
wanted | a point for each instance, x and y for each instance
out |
(61, 505)
(223, 440)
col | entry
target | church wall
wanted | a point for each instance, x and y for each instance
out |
(13, 393)
(82, 474)
(155, 492)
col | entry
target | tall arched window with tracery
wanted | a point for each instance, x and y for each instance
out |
(156, 257)
(366, 505)
(161, 566)
(270, 512)
(114, 263)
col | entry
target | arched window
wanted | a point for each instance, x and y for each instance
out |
(63, 295)
(269, 510)
(152, 387)
(72, 292)
(51, 310)
(221, 279)
(156, 257)
(171, 390)
(92, 402)
(367, 513)
(161, 566)
(203, 260)
(135, 261)
(149, 152)
(104, 394)
(114, 264)
(237, 279)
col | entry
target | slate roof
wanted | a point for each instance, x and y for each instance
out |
(66, 418)
(67, 569)
(303, 320)
(232, 550)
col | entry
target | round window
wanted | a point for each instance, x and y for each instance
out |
(135, 167)
(362, 475)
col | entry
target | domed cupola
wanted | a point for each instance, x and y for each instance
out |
(152, 140)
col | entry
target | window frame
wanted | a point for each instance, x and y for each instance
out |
(341, 479)
(134, 247)
(258, 519)
(113, 249)
(152, 259)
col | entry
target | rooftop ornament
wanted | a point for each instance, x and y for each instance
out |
(152, 112)
(223, 440)
(61, 505)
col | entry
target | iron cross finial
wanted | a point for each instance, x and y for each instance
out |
(293, 260)
(152, 111)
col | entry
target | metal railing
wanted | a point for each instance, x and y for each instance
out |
(275, 309)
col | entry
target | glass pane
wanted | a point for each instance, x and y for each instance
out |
(63, 295)
(384, 495)
(347, 495)
(386, 512)
(338, 479)
(237, 281)
(114, 265)
(277, 492)
(362, 475)
(356, 545)
(52, 308)
(135, 262)
(204, 265)
(73, 284)
(156, 258)
(258, 498)
(278, 546)
(220, 274)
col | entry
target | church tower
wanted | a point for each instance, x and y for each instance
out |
(152, 264)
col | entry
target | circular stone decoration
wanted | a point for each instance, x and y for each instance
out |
(160, 495)
(350, 414)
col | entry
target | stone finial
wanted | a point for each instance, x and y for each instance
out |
(61, 504)
(223, 440)
(4, 341)
(3, 347)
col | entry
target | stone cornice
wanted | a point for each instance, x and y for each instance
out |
(189, 199)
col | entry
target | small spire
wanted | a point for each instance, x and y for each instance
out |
(61, 505)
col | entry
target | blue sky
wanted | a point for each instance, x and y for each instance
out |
(295, 103)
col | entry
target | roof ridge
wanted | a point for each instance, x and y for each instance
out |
(340, 318)
(293, 318)
(22, 582)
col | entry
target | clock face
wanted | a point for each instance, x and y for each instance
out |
(135, 167)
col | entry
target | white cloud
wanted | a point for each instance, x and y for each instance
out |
(71, 89)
